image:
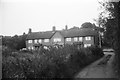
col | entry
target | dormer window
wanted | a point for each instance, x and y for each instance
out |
(88, 38)
(29, 41)
(46, 40)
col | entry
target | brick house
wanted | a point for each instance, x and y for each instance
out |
(86, 37)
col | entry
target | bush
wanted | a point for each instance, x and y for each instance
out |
(96, 51)
(63, 62)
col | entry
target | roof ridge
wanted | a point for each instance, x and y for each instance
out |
(65, 33)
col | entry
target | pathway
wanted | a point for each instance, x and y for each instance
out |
(102, 68)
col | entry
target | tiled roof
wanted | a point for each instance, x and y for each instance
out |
(73, 32)
(42, 35)
(79, 32)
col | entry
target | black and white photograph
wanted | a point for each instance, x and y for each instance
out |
(51, 39)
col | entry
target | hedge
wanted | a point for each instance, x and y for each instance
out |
(63, 62)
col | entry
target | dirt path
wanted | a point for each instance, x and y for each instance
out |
(99, 69)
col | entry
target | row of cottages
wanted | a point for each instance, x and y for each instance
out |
(87, 37)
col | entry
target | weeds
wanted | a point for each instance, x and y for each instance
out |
(54, 63)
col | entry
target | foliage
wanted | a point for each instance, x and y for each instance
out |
(111, 26)
(88, 25)
(109, 22)
(54, 63)
(15, 42)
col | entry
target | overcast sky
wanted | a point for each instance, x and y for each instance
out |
(17, 16)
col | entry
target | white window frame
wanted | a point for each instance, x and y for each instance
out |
(40, 40)
(57, 39)
(46, 40)
(88, 38)
(68, 39)
(29, 41)
(75, 38)
(35, 41)
(81, 39)
(87, 45)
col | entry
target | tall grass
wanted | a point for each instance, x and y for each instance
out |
(54, 63)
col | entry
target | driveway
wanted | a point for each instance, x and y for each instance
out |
(102, 68)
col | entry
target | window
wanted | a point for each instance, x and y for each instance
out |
(29, 41)
(35, 41)
(32, 47)
(87, 45)
(46, 40)
(57, 39)
(80, 39)
(39, 40)
(28, 47)
(68, 39)
(88, 38)
(75, 39)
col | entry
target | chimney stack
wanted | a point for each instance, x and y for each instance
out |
(54, 28)
(66, 27)
(30, 30)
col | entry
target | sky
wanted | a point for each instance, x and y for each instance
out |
(17, 16)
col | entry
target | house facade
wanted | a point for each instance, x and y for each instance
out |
(86, 37)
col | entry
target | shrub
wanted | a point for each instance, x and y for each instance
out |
(96, 51)
(63, 62)
(7, 51)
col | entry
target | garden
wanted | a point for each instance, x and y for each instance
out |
(63, 62)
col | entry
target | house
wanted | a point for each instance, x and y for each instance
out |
(86, 37)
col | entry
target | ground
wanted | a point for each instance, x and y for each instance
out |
(102, 68)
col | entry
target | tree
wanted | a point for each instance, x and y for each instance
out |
(22, 42)
(91, 26)
(108, 19)
(109, 22)
(87, 25)
(16, 42)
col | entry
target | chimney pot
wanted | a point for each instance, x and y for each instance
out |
(66, 27)
(54, 28)
(30, 30)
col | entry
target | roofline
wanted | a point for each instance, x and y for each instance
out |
(63, 37)
(53, 34)
(81, 36)
(95, 34)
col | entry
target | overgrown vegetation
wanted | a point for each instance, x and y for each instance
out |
(54, 63)
(15, 42)
(109, 20)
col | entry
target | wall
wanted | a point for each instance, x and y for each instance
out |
(89, 41)
(57, 35)
(29, 44)
(93, 40)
